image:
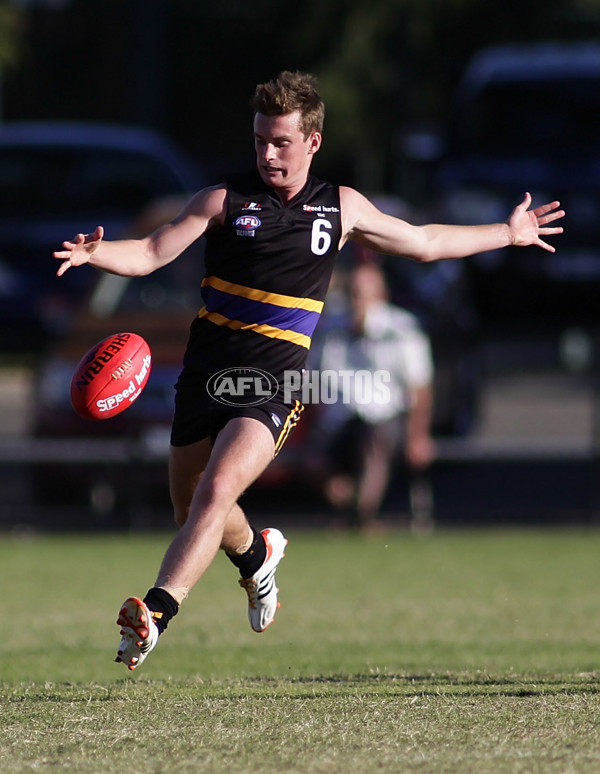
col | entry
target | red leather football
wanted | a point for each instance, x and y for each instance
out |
(111, 376)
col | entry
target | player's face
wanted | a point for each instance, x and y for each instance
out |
(283, 154)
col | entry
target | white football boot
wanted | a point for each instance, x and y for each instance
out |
(261, 588)
(139, 633)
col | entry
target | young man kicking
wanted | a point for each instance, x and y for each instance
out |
(272, 237)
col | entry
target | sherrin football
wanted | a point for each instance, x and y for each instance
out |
(111, 376)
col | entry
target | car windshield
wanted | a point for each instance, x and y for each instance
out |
(555, 115)
(81, 182)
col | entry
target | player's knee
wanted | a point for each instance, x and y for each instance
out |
(217, 491)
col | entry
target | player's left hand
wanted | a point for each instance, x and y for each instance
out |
(526, 226)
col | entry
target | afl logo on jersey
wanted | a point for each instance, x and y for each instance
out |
(246, 225)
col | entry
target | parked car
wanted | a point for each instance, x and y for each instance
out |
(526, 118)
(60, 178)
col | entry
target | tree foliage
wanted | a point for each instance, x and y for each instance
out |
(387, 65)
(188, 67)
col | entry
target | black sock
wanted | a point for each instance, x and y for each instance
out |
(254, 558)
(163, 607)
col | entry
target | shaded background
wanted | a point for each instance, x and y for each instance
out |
(189, 67)
(388, 72)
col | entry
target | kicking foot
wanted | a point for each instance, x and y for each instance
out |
(139, 633)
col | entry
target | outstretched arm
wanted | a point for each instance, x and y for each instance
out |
(136, 257)
(370, 227)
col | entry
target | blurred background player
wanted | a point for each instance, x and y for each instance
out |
(360, 437)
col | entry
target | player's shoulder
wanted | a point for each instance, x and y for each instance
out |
(208, 203)
(349, 195)
(210, 193)
(355, 204)
(357, 210)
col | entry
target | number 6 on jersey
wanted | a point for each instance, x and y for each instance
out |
(320, 240)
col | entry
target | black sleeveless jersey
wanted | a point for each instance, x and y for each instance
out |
(267, 272)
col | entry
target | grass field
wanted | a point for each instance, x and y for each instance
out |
(463, 651)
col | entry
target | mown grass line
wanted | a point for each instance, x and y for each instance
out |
(465, 651)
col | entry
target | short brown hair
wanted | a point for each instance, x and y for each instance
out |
(290, 92)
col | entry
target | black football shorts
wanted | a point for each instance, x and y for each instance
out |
(199, 415)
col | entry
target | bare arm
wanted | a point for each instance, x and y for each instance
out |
(136, 257)
(368, 226)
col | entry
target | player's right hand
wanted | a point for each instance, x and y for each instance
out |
(79, 250)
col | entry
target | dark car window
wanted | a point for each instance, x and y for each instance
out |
(46, 183)
(550, 115)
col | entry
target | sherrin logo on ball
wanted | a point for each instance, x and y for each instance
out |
(111, 376)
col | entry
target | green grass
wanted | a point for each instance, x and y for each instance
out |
(460, 652)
